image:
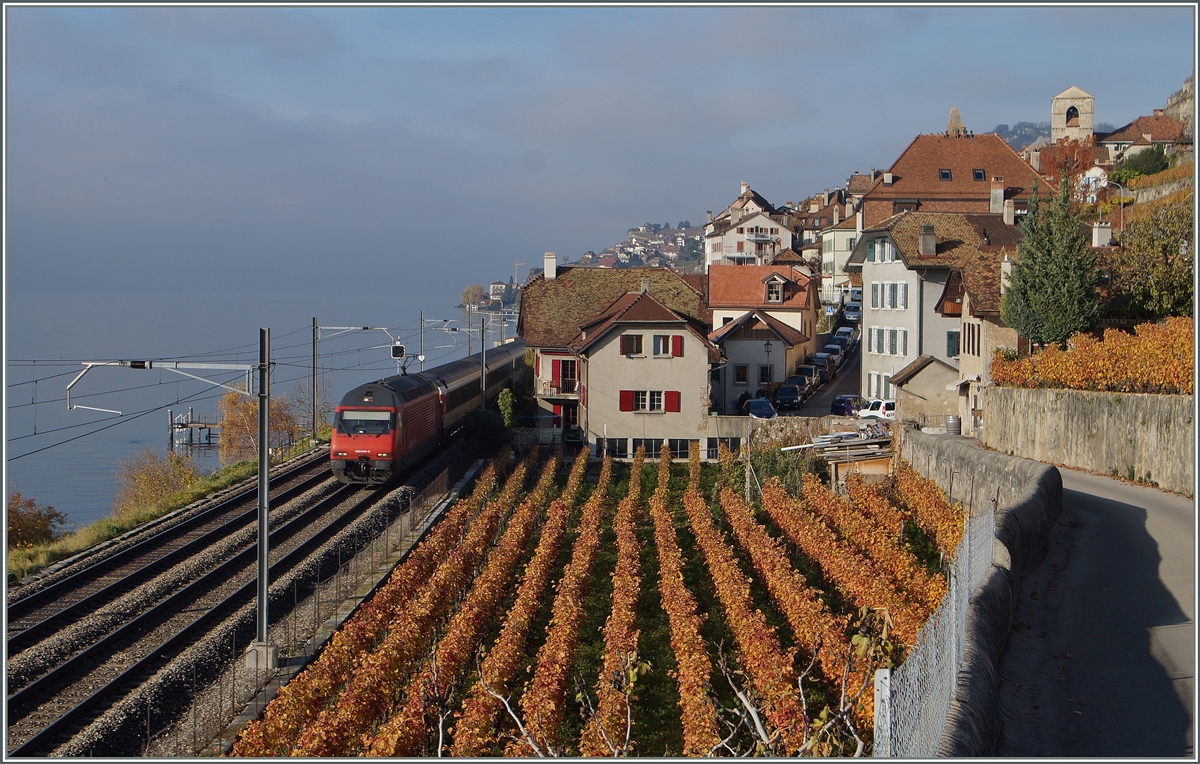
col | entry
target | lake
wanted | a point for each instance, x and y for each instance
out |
(68, 459)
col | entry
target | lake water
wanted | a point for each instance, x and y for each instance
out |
(68, 460)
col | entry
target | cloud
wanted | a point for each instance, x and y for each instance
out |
(285, 32)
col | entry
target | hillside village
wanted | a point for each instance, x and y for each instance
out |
(658, 339)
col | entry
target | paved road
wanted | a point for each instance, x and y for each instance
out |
(845, 383)
(1102, 663)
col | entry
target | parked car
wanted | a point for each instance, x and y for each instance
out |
(759, 408)
(852, 312)
(802, 385)
(878, 409)
(837, 351)
(847, 333)
(847, 405)
(826, 362)
(856, 295)
(788, 397)
(810, 372)
(842, 341)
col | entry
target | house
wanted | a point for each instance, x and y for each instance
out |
(837, 242)
(764, 321)
(555, 306)
(926, 390)
(910, 305)
(750, 231)
(1141, 134)
(496, 290)
(956, 173)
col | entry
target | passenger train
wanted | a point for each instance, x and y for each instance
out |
(385, 426)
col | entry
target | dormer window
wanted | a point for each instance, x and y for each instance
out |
(944, 174)
(775, 290)
(979, 174)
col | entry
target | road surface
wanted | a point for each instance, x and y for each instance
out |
(1101, 659)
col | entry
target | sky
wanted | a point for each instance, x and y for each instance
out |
(382, 150)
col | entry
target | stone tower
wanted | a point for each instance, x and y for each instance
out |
(1072, 115)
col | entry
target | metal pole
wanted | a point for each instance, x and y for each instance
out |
(316, 331)
(170, 431)
(422, 341)
(482, 362)
(264, 404)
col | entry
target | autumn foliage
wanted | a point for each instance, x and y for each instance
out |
(1157, 358)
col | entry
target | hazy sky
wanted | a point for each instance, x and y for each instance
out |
(377, 149)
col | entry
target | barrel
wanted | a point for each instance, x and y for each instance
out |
(953, 426)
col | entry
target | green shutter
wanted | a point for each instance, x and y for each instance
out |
(871, 251)
(952, 344)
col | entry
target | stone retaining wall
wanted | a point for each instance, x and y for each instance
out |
(1028, 499)
(1134, 436)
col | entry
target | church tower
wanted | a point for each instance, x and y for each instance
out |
(1072, 115)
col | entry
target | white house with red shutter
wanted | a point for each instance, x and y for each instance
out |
(643, 378)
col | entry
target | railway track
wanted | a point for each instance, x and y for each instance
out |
(50, 709)
(58, 605)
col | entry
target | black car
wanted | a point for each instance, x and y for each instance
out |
(803, 384)
(759, 408)
(847, 405)
(788, 397)
(826, 365)
(841, 340)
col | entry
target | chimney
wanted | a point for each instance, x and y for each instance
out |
(1158, 112)
(1010, 213)
(745, 186)
(826, 202)
(1035, 160)
(1005, 273)
(837, 218)
(549, 265)
(1101, 234)
(887, 179)
(645, 284)
(928, 243)
(849, 209)
(709, 219)
(858, 223)
(997, 204)
(814, 206)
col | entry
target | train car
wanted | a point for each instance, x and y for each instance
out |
(382, 427)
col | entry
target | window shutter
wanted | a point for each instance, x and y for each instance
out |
(557, 411)
(904, 294)
(671, 400)
(903, 342)
(874, 294)
(624, 345)
(892, 341)
(951, 344)
(555, 371)
(871, 341)
(677, 345)
(583, 396)
(871, 251)
(537, 364)
(626, 400)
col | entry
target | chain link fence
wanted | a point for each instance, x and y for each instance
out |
(912, 701)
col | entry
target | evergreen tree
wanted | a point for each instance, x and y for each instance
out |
(1053, 290)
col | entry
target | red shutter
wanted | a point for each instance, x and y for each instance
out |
(557, 420)
(555, 368)
(624, 345)
(626, 399)
(671, 400)
(537, 364)
(677, 345)
(583, 396)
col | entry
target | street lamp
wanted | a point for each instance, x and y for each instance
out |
(1108, 182)
(767, 347)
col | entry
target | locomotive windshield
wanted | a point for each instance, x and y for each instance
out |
(364, 422)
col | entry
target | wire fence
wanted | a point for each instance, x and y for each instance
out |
(912, 701)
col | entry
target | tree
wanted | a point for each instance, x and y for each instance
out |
(239, 425)
(30, 524)
(1069, 158)
(1053, 290)
(472, 294)
(1147, 161)
(684, 224)
(510, 292)
(148, 476)
(1155, 262)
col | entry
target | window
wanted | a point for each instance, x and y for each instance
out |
(774, 230)
(892, 341)
(874, 294)
(741, 374)
(656, 400)
(714, 446)
(617, 448)
(943, 174)
(639, 400)
(888, 392)
(850, 243)
(889, 252)
(726, 320)
(631, 344)
(741, 230)
(904, 294)
(716, 247)
(871, 251)
(952, 344)
(680, 447)
(903, 342)
(662, 344)
(774, 291)
(765, 374)
(652, 446)
(978, 174)
(741, 246)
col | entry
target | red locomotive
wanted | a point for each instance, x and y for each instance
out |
(385, 426)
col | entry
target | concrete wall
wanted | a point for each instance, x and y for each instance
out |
(1148, 437)
(1028, 498)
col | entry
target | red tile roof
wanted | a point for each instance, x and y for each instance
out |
(1160, 129)
(743, 286)
(758, 319)
(639, 308)
(915, 174)
(552, 310)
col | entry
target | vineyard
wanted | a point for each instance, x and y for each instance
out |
(652, 612)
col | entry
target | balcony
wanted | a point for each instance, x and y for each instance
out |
(765, 237)
(564, 388)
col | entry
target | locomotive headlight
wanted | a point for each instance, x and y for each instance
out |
(383, 454)
(340, 453)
